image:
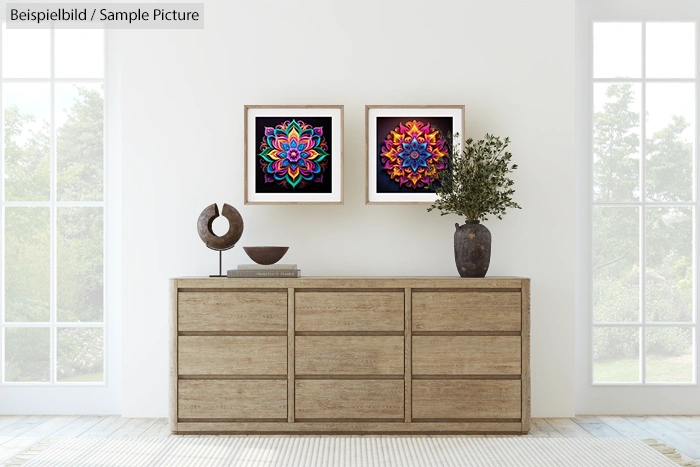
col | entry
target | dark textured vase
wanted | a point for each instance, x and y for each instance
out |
(472, 249)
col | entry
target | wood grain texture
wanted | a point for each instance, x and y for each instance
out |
(349, 311)
(622, 426)
(568, 428)
(159, 429)
(232, 311)
(82, 424)
(454, 399)
(245, 154)
(106, 427)
(15, 445)
(408, 365)
(349, 399)
(525, 342)
(232, 355)
(351, 428)
(347, 355)
(595, 427)
(351, 283)
(367, 154)
(232, 399)
(172, 382)
(291, 317)
(134, 428)
(475, 355)
(667, 434)
(542, 429)
(339, 355)
(466, 311)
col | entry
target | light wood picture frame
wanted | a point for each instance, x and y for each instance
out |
(293, 154)
(405, 147)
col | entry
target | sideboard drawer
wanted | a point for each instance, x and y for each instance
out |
(466, 311)
(454, 399)
(349, 311)
(232, 311)
(209, 399)
(349, 355)
(466, 355)
(232, 355)
(349, 399)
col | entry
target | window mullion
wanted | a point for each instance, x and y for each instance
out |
(643, 212)
(54, 80)
(53, 213)
(2, 226)
(644, 80)
(664, 204)
(590, 136)
(696, 231)
(637, 324)
(105, 221)
(67, 324)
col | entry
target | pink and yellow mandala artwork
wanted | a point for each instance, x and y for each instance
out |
(413, 153)
(293, 154)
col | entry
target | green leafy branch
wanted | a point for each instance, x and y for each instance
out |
(475, 182)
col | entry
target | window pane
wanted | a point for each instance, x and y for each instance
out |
(670, 141)
(80, 244)
(616, 355)
(26, 53)
(27, 264)
(669, 354)
(617, 50)
(80, 142)
(79, 53)
(670, 50)
(615, 264)
(616, 136)
(27, 144)
(80, 355)
(669, 264)
(27, 356)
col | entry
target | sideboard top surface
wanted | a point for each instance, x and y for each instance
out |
(353, 282)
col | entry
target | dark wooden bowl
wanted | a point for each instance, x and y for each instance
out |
(265, 254)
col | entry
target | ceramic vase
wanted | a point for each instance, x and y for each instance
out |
(472, 249)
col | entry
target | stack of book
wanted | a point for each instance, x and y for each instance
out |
(261, 270)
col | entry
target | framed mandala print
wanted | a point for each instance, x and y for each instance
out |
(406, 149)
(293, 154)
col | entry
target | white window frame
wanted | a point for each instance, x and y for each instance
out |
(642, 204)
(641, 397)
(83, 398)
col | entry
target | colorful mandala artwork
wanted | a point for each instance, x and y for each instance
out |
(293, 154)
(413, 153)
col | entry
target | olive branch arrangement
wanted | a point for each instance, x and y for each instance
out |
(475, 182)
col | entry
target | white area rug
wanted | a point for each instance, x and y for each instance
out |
(366, 451)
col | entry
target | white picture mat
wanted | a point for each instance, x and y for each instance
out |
(336, 155)
(373, 113)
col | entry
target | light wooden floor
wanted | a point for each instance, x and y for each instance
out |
(18, 433)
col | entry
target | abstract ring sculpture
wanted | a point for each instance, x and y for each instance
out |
(226, 241)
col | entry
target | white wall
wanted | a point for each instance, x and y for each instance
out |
(510, 63)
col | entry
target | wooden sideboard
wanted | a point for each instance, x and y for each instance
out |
(397, 355)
